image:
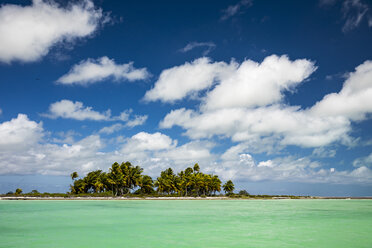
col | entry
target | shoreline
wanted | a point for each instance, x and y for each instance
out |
(179, 198)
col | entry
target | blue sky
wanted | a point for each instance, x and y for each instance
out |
(274, 95)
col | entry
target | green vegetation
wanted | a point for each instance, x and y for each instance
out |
(243, 193)
(190, 182)
(126, 179)
(228, 187)
(123, 178)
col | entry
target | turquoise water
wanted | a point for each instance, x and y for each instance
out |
(187, 223)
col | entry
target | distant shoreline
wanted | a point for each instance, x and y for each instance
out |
(177, 198)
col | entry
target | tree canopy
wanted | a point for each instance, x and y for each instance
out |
(124, 178)
(228, 187)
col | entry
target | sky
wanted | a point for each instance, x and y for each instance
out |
(275, 95)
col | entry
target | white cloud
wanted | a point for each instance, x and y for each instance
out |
(259, 84)
(289, 169)
(354, 12)
(112, 129)
(237, 85)
(354, 100)
(76, 110)
(289, 125)
(24, 151)
(148, 142)
(137, 121)
(124, 116)
(53, 159)
(28, 32)
(19, 132)
(268, 163)
(322, 152)
(179, 81)
(91, 71)
(244, 116)
(236, 9)
(189, 153)
(65, 137)
(157, 151)
(363, 161)
(209, 47)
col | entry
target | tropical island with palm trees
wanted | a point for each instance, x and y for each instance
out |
(126, 181)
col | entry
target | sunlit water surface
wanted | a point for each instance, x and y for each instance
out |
(186, 223)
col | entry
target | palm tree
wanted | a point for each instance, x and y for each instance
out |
(215, 184)
(123, 178)
(228, 187)
(74, 175)
(134, 178)
(160, 185)
(92, 180)
(98, 186)
(166, 183)
(146, 184)
(187, 179)
(196, 168)
(116, 177)
(79, 187)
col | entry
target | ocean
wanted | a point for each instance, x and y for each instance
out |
(186, 223)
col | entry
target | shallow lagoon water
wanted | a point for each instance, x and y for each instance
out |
(186, 223)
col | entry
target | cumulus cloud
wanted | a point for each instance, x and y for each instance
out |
(67, 137)
(76, 110)
(242, 166)
(208, 45)
(148, 142)
(354, 101)
(20, 132)
(28, 32)
(54, 159)
(259, 84)
(180, 81)
(189, 153)
(235, 163)
(240, 109)
(25, 148)
(157, 151)
(237, 85)
(289, 125)
(238, 8)
(91, 71)
(25, 151)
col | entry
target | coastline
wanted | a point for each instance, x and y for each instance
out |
(179, 198)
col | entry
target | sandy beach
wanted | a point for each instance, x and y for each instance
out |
(173, 198)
